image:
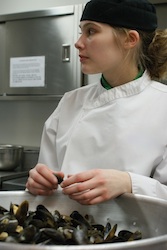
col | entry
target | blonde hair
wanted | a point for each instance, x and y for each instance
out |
(151, 53)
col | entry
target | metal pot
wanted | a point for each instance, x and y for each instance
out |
(30, 157)
(133, 212)
(11, 157)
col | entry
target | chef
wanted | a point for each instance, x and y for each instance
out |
(110, 137)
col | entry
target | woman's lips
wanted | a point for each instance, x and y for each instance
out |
(83, 58)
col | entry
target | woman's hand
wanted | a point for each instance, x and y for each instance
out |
(98, 185)
(42, 181)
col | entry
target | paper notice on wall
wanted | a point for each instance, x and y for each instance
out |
(27, 71)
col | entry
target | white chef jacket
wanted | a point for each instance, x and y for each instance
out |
(124, 128)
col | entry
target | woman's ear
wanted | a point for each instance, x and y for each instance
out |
(132, 39)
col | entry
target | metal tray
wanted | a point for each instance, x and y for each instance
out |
(131, 212)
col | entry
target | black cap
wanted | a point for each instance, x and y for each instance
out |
(131, 14)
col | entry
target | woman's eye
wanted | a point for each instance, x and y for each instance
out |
(88, 31)
(91, 31)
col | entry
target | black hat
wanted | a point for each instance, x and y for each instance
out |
(132, 14)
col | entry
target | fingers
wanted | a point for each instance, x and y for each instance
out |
(89, 187)
(39, 191)
(95, 186)
(84, 187)
(78, 178)
(41, 180)
(89, 197)
(44, 176)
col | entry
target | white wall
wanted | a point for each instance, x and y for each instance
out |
(14, 6)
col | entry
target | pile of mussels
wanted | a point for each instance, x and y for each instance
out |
(42, 227)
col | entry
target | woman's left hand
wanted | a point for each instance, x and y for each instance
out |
(97, 185)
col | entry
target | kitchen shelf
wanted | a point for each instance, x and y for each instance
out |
(31, 98)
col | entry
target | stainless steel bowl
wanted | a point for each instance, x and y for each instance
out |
(11, 157)
(130, 212)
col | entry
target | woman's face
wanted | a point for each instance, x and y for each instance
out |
(98, 50)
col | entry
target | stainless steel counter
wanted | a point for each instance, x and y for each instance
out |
(13, 180)
(15, 184)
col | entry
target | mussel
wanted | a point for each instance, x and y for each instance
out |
(42, 227)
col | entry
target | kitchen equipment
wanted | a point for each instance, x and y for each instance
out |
(46, 66)
(30, 157)
(128, 211)
(10, 157)
(13, 180)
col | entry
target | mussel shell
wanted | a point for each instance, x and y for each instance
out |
(37, 223)
(21, 212)
(28, 234)
(99, 227)
(51, 233)
(80, 235)
(12, 239)
(59, 178)
(125, 234)
(107, 229)
(8, 224)
(57, 216)
(11, 226)
(3, 236)
(78, 218)
(43, 214)
(135, 236)
(111, 234)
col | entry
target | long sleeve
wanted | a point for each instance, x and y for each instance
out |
(48, 148)
(148, 186)
(155, 186)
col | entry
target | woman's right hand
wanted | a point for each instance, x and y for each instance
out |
(42, 181)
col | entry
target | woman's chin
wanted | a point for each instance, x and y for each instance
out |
(87, 71)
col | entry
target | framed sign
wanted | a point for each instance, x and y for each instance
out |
(27, 71)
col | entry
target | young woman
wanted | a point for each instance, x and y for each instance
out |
(110, 138)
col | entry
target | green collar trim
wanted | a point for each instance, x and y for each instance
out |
(107, 86)
(139, 74)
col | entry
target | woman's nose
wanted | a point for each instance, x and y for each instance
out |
(79, 44)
